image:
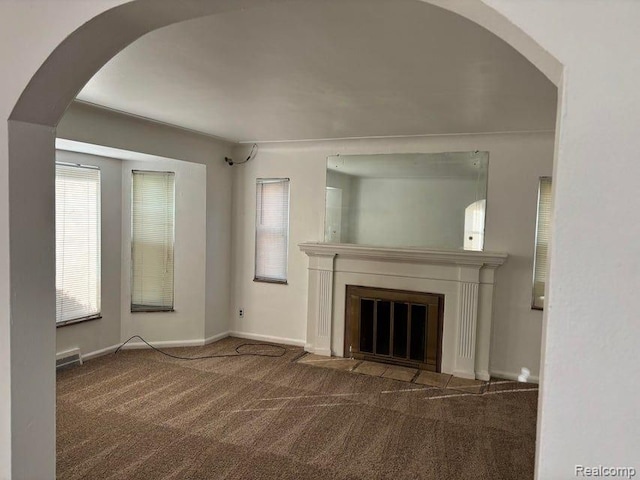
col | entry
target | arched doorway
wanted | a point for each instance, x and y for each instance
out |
(31, 143)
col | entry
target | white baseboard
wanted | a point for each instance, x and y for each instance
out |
(166, 344)
(215, 338)
(193, 343)
(268, 338)
(513, 376)
(197, 342)
(483, 375)
(100, 353)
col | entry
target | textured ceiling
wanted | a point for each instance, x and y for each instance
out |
(354, 68)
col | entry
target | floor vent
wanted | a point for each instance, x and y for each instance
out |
(68, 358)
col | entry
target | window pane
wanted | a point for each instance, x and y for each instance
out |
(152, 240)
(272, 229)
(77, 242)
(543, 235)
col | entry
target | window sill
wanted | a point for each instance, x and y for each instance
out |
(152, 310)
(268, 280)
(75, 321)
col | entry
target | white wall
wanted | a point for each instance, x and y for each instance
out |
(274, 310)
(516, 162)
(591, 327)
(98, 334)
(187, 321)
(410, 212)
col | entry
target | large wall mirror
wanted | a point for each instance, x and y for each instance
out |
(429, 200)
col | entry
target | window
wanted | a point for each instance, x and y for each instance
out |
(272, 229)
(543, 235)
(152, 241)
(77, 243)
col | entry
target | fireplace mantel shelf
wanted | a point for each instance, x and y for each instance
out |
(405, 255)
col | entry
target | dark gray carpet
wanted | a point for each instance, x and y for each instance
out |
(141, 415)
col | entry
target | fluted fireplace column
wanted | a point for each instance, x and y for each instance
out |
(320, 303)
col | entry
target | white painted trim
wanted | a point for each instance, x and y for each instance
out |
(483, 375)
(513, 376)
(409, 255)
(268, 338)
(191, 343)
(215, 338)
(387, 137)
(198, 342)
(99, 353)
(70, 352)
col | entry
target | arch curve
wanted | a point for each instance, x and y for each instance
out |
(72, 64)
(31, 142)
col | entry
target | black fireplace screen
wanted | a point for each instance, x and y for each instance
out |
(394, 326)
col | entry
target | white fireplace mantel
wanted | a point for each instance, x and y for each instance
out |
(465, 278)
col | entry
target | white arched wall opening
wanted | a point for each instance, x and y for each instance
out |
(31, 151)
(27, 418)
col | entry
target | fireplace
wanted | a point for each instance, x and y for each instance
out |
(394, 326)
(462, 281)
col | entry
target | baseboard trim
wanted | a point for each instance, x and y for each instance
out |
(215, 338)
(100, 353)
(268, 338)
(513, 376)
(483, 375)
(193, 343)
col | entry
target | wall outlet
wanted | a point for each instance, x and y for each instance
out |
(241, 312)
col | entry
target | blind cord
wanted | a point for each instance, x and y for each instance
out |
(238, 353)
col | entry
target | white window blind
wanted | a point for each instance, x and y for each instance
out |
(272, 229)
(77, 243)
(152, 240)
(543, 235)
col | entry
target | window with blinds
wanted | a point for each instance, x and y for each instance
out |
(152, 241)
(543, 235)
(272, 229)
(77, 243)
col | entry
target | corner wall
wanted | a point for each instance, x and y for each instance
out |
(516, 161)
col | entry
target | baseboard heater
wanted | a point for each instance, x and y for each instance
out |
(68, 358)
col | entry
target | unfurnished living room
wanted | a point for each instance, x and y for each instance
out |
(340, 239)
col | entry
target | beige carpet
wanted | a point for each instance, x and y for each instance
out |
(141, 415)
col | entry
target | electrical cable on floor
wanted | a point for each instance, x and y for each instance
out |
(238, 353)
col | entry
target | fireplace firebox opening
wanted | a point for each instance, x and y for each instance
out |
(394, 326)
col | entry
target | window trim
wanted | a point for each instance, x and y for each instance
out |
(534, 303)
(256, 277)
(139, 308)
(97, 315)
(73, 321)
